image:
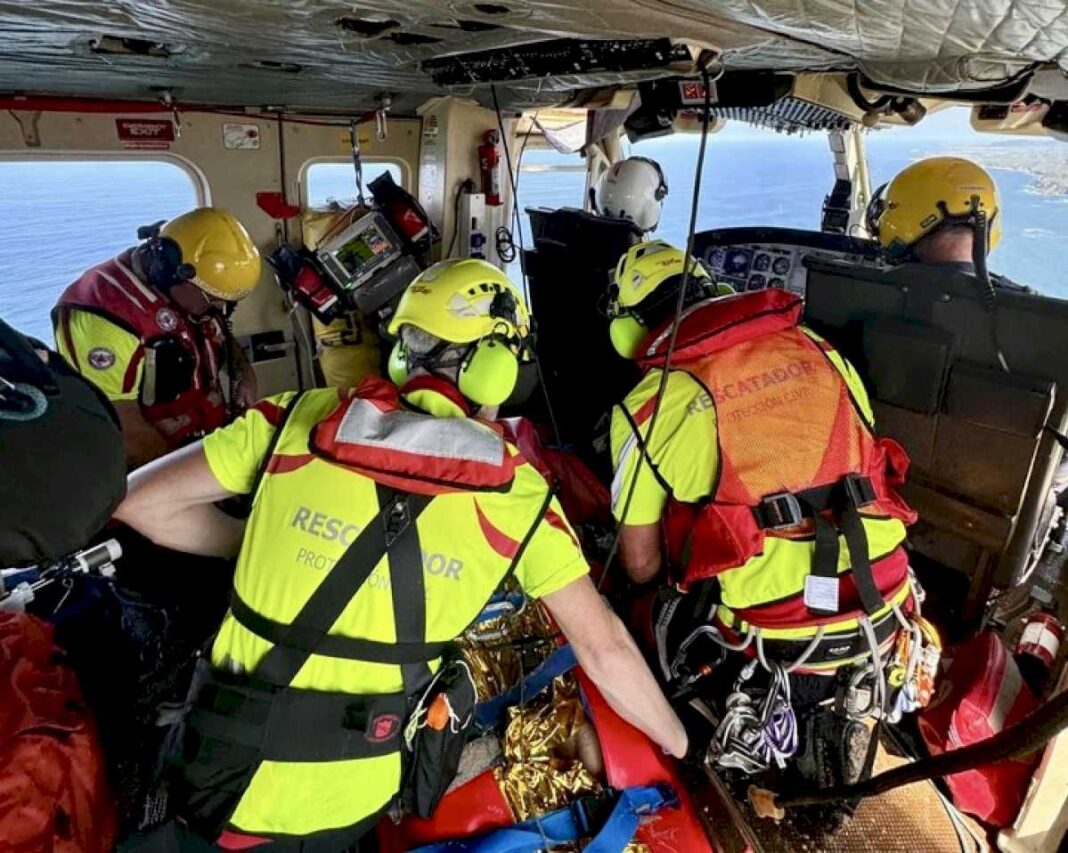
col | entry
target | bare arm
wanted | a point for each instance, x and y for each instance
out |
(639, 549)
(171, 501)
(610, 657)
(141, 440)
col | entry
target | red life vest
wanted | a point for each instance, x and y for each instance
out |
(373, 433)
(797, 461)
(112, 291)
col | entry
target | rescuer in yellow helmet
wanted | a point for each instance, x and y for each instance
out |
(747, 473)
(941, 210)
(151, 329)
(387, 519)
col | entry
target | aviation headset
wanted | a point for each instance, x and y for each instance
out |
(488, 367)
(660, 193)
(161, 258)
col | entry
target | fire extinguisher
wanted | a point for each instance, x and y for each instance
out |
(489, 161)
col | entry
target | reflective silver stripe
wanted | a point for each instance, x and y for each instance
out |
(461, 439)
(1008, 692)
(135, 281)
(624, 455)
(121, 290)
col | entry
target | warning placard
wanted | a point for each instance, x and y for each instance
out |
(145, 133)
(244, 137)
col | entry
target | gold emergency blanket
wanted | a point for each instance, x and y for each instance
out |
(550, 749)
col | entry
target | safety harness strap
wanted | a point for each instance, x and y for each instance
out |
(846, 497)
(568, 825)
(395, 522)
(561, 661)
(349, 648)
(298, 725)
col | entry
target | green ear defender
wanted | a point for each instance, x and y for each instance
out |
(397, 366)
(627, 333)
(488, 372)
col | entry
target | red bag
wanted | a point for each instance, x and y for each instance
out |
(981, 694)
(53, 794)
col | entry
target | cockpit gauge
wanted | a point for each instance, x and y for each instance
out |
(756, 282)
(715, 259)
(777, 283)
(737, 262)
(781, 266)
(761, 263)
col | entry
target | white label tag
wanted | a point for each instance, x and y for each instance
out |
(821, 594)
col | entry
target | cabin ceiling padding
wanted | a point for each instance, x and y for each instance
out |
(337, 56)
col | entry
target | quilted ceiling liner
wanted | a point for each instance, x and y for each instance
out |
(336, 56)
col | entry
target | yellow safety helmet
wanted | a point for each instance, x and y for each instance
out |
(225, 261)
(467, 301)
(640, 272)
(929, 194)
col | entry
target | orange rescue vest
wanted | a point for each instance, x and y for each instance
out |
(799, 462)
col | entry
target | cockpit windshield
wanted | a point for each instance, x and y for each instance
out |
(755, 176)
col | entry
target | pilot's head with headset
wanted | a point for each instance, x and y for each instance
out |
(465, 322)
(203, 259)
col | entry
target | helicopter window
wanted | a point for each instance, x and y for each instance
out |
(60, 217)
(547, 178)
(326, 181)
(1032, 177)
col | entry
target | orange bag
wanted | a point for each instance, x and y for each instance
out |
(53, 793)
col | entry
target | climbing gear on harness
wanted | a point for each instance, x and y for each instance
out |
(758, 728)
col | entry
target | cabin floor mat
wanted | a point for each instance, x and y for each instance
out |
(904, 820)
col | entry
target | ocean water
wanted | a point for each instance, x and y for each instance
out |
(756, 177)
(58, 218)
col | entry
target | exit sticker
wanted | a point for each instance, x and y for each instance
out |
(153, 134)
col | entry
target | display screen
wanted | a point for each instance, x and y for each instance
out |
(361, 249)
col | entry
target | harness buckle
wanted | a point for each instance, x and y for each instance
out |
(781, 512)
(591, 812)
(860, 490)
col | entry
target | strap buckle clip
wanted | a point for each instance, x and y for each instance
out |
(781, 511)
(591, 812)
(860, 490)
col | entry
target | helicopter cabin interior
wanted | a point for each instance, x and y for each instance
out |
(248, 98)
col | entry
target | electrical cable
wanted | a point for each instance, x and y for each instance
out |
(679, 305)
(466, 185)
(514, 183)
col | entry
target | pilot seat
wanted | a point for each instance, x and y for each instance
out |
(569, 270)
(983, 441)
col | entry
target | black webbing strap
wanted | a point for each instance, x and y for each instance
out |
(393, 526)
(856, 538)
(275, 436)
(406, 581)
(845, 497)
(331, 646)
(285, 724)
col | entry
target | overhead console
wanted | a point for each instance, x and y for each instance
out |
(757, 258)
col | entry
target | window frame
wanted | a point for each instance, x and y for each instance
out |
(302, 176)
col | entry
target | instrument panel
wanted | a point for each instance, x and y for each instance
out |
(758, 258)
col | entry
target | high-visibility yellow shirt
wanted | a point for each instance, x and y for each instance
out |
(104, 353)
(684, 452)
(302, 522)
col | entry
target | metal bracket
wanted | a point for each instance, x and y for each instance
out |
(28, 126)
